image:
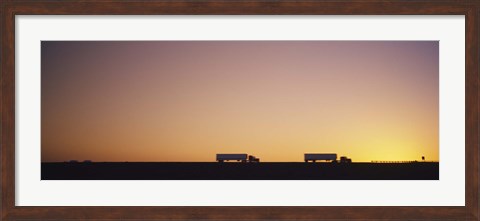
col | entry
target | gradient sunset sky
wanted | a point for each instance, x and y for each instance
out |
(188, 100)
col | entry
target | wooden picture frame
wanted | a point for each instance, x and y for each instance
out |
(10, 8)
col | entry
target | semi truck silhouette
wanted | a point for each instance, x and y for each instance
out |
(241, 157)
(328, 157)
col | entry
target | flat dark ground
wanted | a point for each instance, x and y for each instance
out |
(240, 171)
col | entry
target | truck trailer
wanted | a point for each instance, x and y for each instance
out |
(320, 156)
(240, 157)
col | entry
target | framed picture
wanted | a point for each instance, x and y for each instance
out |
(162, 110)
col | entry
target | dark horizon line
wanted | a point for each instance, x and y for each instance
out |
(373, 161)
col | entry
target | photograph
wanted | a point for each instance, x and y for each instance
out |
(240, 110)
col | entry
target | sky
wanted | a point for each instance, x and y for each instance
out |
(177, 101)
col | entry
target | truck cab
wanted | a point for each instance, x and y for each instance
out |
(253, 159)
(344, 159)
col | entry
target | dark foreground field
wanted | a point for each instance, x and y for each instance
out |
(239, 171)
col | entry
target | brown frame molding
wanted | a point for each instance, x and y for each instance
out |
(10, 8)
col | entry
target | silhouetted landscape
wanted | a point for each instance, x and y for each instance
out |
(239, 171)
